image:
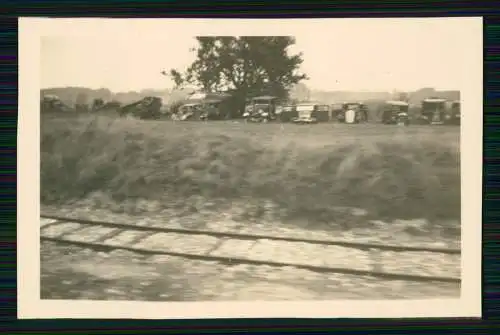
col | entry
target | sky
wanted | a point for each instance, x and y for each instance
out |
(344, 54)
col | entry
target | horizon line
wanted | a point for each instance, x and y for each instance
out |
(309, 88)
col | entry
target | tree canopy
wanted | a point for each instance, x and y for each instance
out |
(246, 65)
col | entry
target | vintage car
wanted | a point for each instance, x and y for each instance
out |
(212, 109)
(261, 109)
(453, 114)
(188, 111)
(287, 112)
(321, 112)
(305, 113)
(318, 112)
(113, 104)
(97, 104)
(433, 111)
(53, 104)
(211, 106)
(396, 112)
(360, 109)
(146, 108)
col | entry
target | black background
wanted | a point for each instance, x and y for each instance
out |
(11, 10)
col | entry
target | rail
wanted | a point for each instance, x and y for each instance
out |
(99, 243)
(355, 245)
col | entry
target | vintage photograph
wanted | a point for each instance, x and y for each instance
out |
(319, 165)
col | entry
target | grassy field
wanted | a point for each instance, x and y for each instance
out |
(307, 171)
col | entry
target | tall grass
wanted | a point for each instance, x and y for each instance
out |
(390, 176)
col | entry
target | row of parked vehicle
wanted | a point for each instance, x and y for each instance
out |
(264, 109)
(146, 108)
(432, 111)
(268, 108)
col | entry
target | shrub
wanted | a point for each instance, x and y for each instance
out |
(397, 177)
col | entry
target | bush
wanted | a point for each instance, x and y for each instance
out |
(398, 178)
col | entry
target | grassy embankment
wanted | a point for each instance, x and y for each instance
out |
(305, 170)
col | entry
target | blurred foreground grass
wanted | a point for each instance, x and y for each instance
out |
(306, 171)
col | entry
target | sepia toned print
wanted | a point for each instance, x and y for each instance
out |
(238, 167)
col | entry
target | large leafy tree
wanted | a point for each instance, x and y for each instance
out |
(245, 65)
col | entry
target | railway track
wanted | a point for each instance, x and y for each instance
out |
(230, 248)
